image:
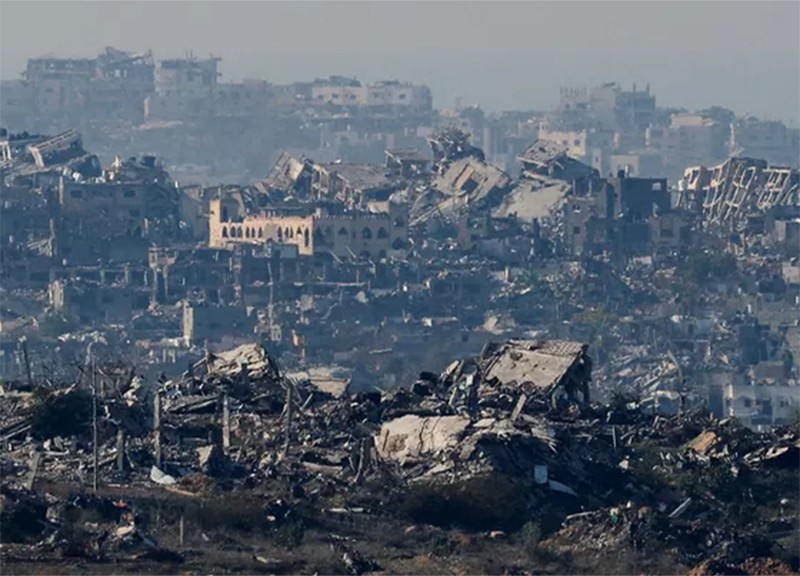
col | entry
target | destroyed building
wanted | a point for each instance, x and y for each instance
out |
(729, 192)
(450, 144)
(351, 184)
(113, 85)
(40, 160)
(552, 160)
(406, 163)
(617, 215)
(290, 175)
(549, 176)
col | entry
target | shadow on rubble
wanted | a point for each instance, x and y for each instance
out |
(66, 412)
(482, 504)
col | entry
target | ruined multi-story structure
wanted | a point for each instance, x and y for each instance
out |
(184, 88)
(731, 191)
(111, 86)
(618, 215)
(60, 84)
(133, 190)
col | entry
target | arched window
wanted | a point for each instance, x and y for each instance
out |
(342, 231)
(305, 238)
(299, 230)
(366, 233)
(224, 231)
(382, 233)
(280, 235)
(247, 232)
(260, 232)
(397, 244)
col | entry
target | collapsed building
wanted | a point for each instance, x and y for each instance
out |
(549, 176)
(112, 85)
(730, 192)
(547, 159)
(40, 160)
(450, 144)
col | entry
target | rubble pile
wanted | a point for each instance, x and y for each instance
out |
(495, 441)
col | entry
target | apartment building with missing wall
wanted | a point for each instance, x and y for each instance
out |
(112, 85)
(623, 215)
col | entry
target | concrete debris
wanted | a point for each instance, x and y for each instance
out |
(411, 438)
(517, 412)
(534, 200)
(159, 477)
(548, 159)
(332, 380)
(450, 144)
(541, 366)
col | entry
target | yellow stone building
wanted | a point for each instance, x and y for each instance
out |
(346, 235)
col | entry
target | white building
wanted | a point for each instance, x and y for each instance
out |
(390, 95)
(762, 406)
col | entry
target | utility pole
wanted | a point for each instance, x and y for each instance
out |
(28, 372)
(288, 437)
(226, 425)
(157, 426)
(94, 422)
(270, 308)
(120, 449)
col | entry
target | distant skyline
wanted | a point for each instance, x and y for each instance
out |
(501, 55)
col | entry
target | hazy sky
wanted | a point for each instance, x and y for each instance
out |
(509, 55)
